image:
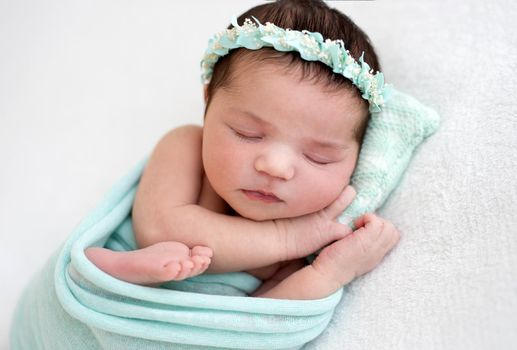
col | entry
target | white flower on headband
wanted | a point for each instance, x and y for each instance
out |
(310, 45)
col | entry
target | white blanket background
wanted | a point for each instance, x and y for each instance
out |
(88, 87)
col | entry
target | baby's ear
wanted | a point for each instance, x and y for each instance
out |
(205, 92)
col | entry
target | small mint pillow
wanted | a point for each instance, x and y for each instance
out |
(390, 139)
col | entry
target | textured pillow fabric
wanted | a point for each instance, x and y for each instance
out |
(391, 137)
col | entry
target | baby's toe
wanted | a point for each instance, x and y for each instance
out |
(200, 264)
(170, 271)
(202, 251)
(186, 269)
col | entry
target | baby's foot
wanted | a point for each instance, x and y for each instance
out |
(153, 265)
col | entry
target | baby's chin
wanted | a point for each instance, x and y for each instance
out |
(260, 216)
(256, 214)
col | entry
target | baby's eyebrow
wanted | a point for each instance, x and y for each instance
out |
(256, 118)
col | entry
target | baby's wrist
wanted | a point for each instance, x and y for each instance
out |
(326, 282)
(281, 229)
(336, 278)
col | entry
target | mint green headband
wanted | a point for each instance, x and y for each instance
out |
(310, 45)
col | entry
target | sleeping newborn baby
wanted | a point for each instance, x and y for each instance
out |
(260, 185)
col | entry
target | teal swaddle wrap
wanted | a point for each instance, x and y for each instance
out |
(72, 304)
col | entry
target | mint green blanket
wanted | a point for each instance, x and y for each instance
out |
(71, 304)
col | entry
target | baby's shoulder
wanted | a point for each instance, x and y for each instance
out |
(186, 132)
(187, 137)
(179, 148)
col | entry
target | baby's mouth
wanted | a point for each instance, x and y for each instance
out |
(262, 196)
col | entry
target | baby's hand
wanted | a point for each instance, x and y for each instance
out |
(359, 252)
(303, 235)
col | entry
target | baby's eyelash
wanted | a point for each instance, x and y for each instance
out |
(312, 160)
(246, 137)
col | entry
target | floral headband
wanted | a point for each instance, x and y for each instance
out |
(310, 45)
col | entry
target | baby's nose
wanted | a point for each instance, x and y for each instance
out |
(277, 163)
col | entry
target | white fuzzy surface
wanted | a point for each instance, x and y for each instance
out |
(87, 88)
(451, 283)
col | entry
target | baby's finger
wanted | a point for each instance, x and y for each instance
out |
(368, 221)
(372, 227)
(389, 237)
(339, 231)
(341, 203)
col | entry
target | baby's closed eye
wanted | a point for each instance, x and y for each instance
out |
(247, 135)
(319, 159)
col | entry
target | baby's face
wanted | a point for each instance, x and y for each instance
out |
(274, 147)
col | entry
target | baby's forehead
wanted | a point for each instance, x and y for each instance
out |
(246, 65)
(273, 78)
(272, 82)
(244, 68)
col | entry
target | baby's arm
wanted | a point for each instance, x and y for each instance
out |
(339, 263)
(166, 209)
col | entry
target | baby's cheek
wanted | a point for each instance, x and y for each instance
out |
(320, 197)
(311, 200)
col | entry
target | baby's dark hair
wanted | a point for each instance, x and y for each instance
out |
(311, 15)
